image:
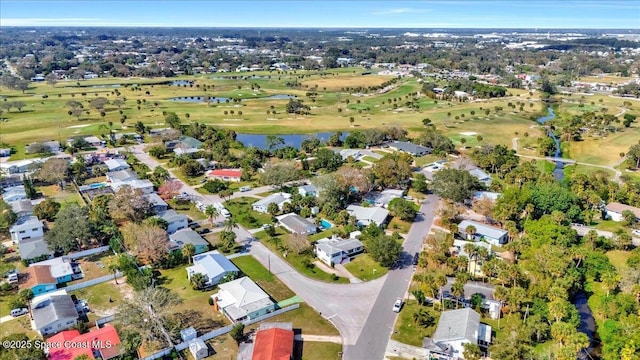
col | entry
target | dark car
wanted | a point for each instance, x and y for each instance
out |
(416, 257)
(204, 231)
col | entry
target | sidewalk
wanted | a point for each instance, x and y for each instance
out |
(398, 349)
(338, 270)
(318, 338)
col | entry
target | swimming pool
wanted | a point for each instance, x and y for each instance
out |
(324, 224)
(97, 185)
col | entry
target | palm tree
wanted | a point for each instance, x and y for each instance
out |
(230, 224)
(472, 251)
(457, 289)
(114, 265)
(188, 250)
(471, 231)
(198, 281)
(212, 213)
(441, 280)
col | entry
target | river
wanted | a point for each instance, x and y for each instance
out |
(295, 140)
(558, 172)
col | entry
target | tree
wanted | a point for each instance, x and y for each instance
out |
(472, 352)
(188, 250)
(157, 151)
(54, 171)
(29, 189)
(273, 209)
(72, 229)
(392, 170)
(274, 141)
(7, 216)
(457, 289)
(99, 103)
(327, 159)
(455, 184)
(198, 281)
(237, 332)
(423, 318)
(140, 128)
(147, 242)
(402, 208)
(129, 204)
(298, 243)
(383, 249)
(172, 120)
(212, 213)
(419, 183)
(47, 209)
(628, 218)
(215, 186)
(192, 168)
(279, 174)
(169, 189)
(21, 352)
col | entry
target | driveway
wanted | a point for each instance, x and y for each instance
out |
(372, 341)
(347, 306)
(583, 230)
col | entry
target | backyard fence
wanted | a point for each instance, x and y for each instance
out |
(104, 320)
(89, 252)
(92, 282)
(218, 332)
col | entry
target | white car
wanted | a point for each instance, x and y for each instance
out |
(397, 305)
(245, 188)
(19, 312)
(636, 232)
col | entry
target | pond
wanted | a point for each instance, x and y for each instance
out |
(279, 97)
(295, 140)
(181, 83)
(558, 172)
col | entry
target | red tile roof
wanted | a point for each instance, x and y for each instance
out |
(225, 172)
(70, 344)
(273, 344)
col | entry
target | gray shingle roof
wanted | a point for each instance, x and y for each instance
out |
(187, 236)
(411, 148)
(55, 308)
(297, 223)
(482, 229)
(33, 248)
(458, 325)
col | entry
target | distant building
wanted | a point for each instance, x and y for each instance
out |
(410, 148)
(34, 247)
(25, 228)
(14, 193)
(22, 208)
(279, 199)
(242, 299)
(144, 185)
(116, 164)
(51, 146)
(213, 265)
(296, 224)
(308, 190)
(39, 280)
(456, 328)
(482, 176)
(490, 234)
(233, 175)
(157, 204)
(338, 251)
(382, 198)
(182, 237)
(17, 167)
(615, 210)
(176, 221)
(119, 176)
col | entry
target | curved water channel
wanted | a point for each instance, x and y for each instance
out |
(587, 322)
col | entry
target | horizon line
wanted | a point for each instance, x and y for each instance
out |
(316, 27)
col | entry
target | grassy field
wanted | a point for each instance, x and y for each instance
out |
(406, 330)
(267, 281)
(98, 296)
(317, 351)
(365, 268)
(306, 319)
(242, 212)
(47, 118)
(398, 225)
(618, 258)
(187, 208)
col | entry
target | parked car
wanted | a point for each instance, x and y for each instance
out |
(397, 306)
(636, 232)
(245, 188)
(416, 257)
(19, 312)
(204, 231)
(266, 226)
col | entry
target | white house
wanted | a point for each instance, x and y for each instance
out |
(213, 265)
(456, 328)
(279, 199)
(382, 198)
(26, 228)
(14, 193)
(615, 210)
(22, 208)
(308, 190)
(17, 167)
(296, 224)
(119, 176)
(116, 164)
(144, 185)
(176, 221)
(335, 250)
(367, 215)
(490, 234)
(242, 299)
(482, 176)
(53, 312)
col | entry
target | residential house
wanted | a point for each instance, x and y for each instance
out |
(51, 146)
(144, 185)
(157, 204)
(242, 299)
(39, 280)
(308, 190)
(479, 195)
(17, 167)
(176, 221)
(33, 248)
(7, 181)
(62, 268)
(382, 198)
(336, 250)
(490, 234)
(213, 265)
(14, 193)
(355, 154)
(103, 343)
(182, 237)
(25, 228)
(94, 141)
(615, 210)
(410, 148)
(296, 224)
(184, 145)
(22, 208)
(120, 176)
(53, 312)
(456, 328)
(233, 175)
(5, 152)
(279, 199)
(482, 176)
(367, 215)
(273, 342)
(116, 164)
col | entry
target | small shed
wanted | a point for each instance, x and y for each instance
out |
(198, 349)
(188, 334)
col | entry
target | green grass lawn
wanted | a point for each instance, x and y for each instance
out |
(317, 351)
(306, 319)
(406, 331)
(97, 296)
(427, 159)
(609, 225)
(296, 260)
(267, 281)
(398, 225)
(243, 213)
(188, 208)
(365, 268)
(370, 159)
(618, 258)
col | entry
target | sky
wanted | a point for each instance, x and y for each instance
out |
(593, 14)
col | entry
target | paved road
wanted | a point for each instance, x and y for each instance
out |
(583, 230)
(373, 340)
(347, 306)
(4, 319)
